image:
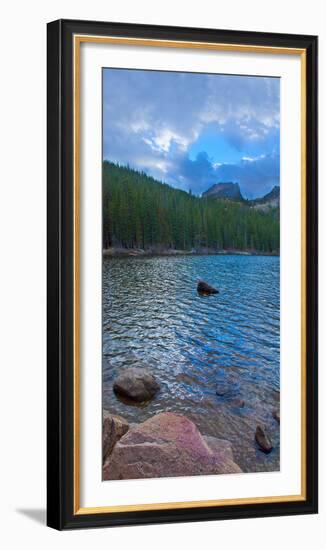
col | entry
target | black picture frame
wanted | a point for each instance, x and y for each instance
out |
(61, 512)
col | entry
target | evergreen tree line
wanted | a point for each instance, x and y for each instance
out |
(140, 212)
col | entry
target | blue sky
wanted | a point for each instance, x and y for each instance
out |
(193, 130)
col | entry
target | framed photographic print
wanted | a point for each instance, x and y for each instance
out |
(182, 274)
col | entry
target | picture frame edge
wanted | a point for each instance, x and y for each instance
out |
(60, 412)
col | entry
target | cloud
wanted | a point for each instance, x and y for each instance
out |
(189, 129)
(256, 176)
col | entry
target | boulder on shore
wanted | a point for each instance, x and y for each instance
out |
(113, 428)
(205, 288)
(263, 439)
(136, 384)
(221, 446)
(168, 445)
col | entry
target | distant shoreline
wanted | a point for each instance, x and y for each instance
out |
(139, 253)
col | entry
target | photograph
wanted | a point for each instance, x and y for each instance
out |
(182, 183)
(190, 274)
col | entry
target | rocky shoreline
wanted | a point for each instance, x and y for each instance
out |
(168, 444)
(113, 252)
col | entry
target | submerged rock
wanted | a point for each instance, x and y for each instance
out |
(276, 394)
(205, 288)
(168, 445)
(114, 427)
(276, 415)
(226, 388)
(238, 403)
(136, 384)
(263, 439)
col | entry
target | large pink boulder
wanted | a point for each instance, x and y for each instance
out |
(168, 445)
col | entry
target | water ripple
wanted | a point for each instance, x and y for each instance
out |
(153, 316)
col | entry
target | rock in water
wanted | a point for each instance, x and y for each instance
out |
(263, 439)
(168, 445)
(227, 388)
(114, 427)
(239, 403)
(205, 288)
(276, 415)
(136, 384)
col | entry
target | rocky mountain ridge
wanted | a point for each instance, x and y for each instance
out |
(224, 190)
(231, 191)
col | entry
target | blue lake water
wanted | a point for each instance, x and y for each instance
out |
(154, 317)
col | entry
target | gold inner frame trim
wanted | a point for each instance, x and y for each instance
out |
(77, 41)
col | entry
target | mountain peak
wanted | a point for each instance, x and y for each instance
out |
(273, 197)
(224, 190)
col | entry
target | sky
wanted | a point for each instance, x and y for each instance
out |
(193, 130)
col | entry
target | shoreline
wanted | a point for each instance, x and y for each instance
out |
(141, 253)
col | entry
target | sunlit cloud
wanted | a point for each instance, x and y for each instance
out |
(192, 130)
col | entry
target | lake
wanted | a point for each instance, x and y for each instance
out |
(154, 317)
